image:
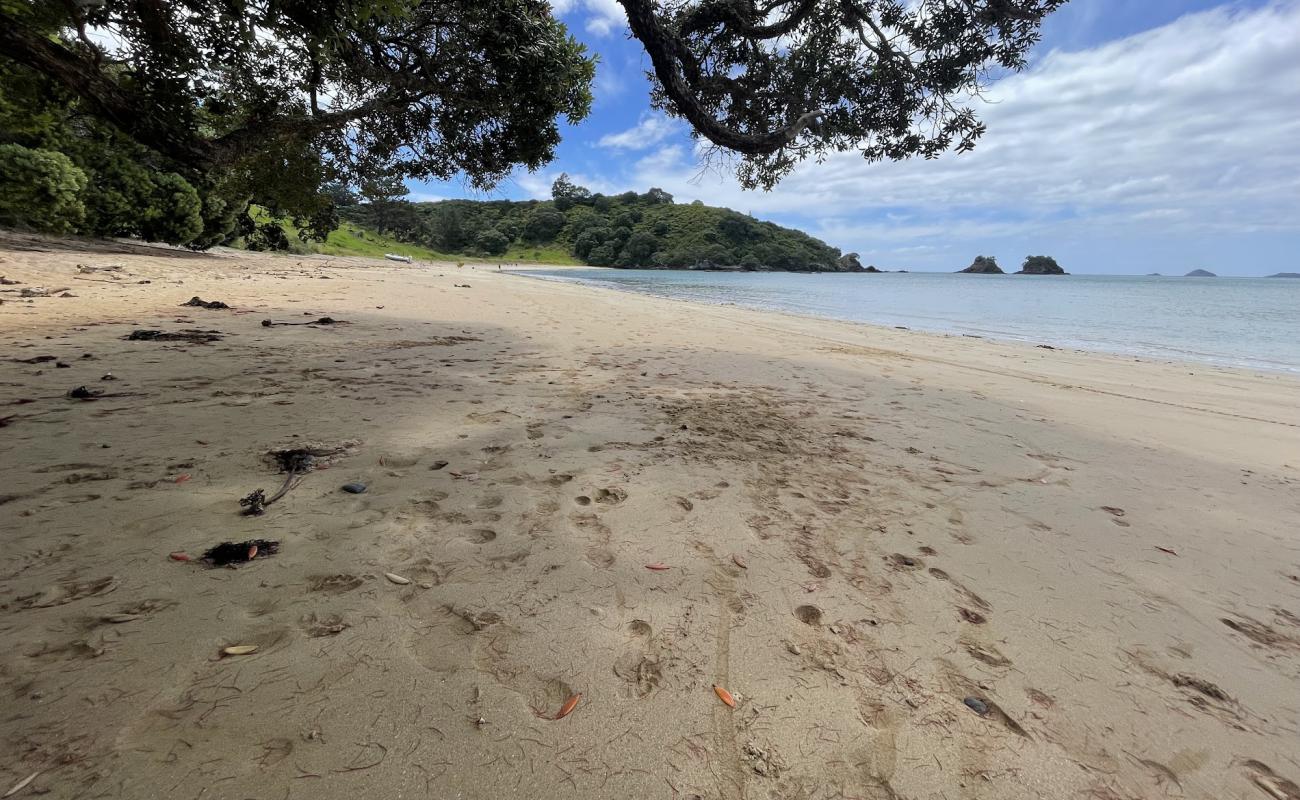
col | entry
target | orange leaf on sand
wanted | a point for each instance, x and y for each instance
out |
(568, 706)
(740, 562)
(657, 567)
(252, 552)
(182, 478)
(179, 556)
(724, 696)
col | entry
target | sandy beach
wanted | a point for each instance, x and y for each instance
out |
(921, 566)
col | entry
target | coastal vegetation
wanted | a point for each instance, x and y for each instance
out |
(645, 230)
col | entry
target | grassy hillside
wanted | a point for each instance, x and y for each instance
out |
(628, 230)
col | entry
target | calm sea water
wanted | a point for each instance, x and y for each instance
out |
(1244, 322)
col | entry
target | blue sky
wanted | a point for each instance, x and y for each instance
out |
(1151, 136)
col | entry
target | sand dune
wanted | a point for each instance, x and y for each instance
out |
(923, 566)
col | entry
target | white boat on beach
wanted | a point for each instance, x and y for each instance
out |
(396, 257)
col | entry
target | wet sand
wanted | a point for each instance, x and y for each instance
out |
(923, 566)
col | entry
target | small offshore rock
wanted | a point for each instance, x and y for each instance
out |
(977, 705)
(354, 488)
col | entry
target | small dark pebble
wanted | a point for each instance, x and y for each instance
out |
(82, 393)
(354, 488)
(437, 465)
(977, 705)
(61, 365)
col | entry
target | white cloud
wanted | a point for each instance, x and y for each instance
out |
(650, 131)
(1190, 127)
(603, 16)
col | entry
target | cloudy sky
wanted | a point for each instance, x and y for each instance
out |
(1152, 136)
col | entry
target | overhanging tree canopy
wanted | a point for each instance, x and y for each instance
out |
(358, 91)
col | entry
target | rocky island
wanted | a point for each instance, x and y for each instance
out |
(1200, 273)
(1286, 275)
(984, 265)
(1041, 265)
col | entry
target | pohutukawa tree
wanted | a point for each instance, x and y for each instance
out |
(779, 81)
(289, 95)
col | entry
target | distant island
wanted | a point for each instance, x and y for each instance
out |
(984, 265)
(1286, 275)
(1200, 273)
(1034, 265)
(1041, 265)
(1154, 275)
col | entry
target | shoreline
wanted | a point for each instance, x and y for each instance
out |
(1176, 358)
(922, 565)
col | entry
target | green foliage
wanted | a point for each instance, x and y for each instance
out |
(492, 242)
(40, 189)
(543, 224)
(627, 230)
(567, 194)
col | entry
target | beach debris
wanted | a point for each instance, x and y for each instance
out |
(1045, 347)
(297, 460)
(270, 323)
(8, 281)
(179, 556)
(462, 286)
(354, 488)
(437, 465)
(61, 365)
(1113, 511)
(239, 650)
(34, 359)
(118, 619)
(82, 393)
(977, 705)
(40, 291)
(724, 695)
(1166, 550)
(228, 553)
(568, 706)
(397, 579)
(22, 784)
(396, 257)
(199, 302)
(182, 478)
(108, 376)
(738, 561)
(973, 617)
(657, 567)
(191, 335)
(87, 269)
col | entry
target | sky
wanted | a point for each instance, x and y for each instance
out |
(1145, 136)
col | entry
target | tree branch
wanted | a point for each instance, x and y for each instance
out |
(106, 98)
(665, 52)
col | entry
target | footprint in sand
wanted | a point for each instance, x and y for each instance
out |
(639, 668)
(809, 615)
(333, 584)
(609, 497)
(481, 535)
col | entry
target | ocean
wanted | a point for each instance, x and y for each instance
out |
(1241, 322)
